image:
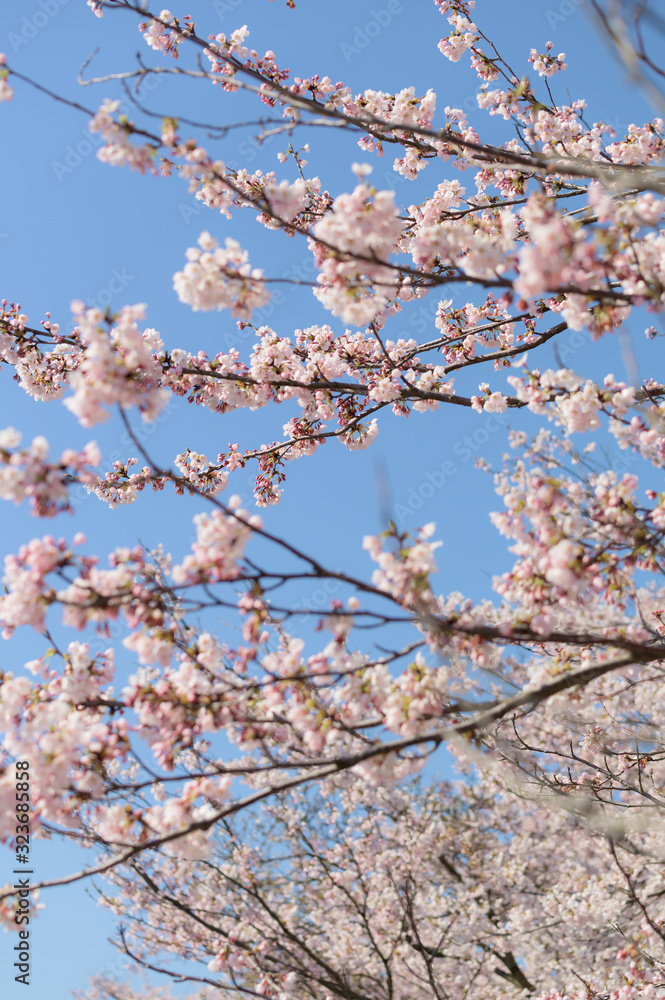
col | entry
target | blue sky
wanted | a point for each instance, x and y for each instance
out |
(72, 228)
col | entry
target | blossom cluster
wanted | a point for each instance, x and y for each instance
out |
(26, 473)
(220, 278)
(116, 366)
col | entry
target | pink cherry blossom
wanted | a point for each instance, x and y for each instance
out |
(216, 278)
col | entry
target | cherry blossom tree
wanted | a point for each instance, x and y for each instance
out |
(366, 892)
(251, 807)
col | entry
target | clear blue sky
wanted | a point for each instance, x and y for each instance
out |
(74, 228)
